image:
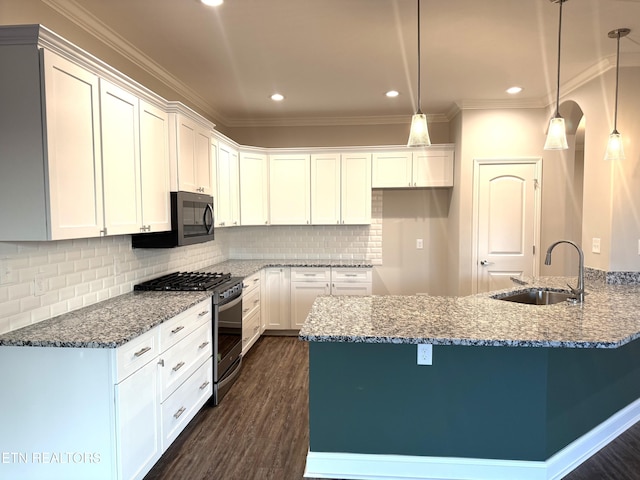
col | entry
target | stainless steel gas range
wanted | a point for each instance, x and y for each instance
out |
(227, 319)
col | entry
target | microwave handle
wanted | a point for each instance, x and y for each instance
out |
(204, 219)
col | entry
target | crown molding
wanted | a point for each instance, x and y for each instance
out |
(330, 121)
(77, 14)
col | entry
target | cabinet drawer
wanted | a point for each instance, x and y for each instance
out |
(351, 275)
(250, 283)
(250, 331)
(137, 353)
(250, 303)
(182, 359)
(310, 274)
(185, 402)
(174, 330)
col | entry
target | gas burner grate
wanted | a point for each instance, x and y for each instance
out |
(185, 281)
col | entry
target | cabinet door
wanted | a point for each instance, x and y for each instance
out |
(202, 161)
(119, 115)
(325, 189)
(154, 168)
(138, 422)
(289, 187)
(186, 154)
(356, 189)
(275, 299)
(228, 194)
(194, 157)
(254, 189)
(303, 294)
(433, 168)
(73, 149)
(391, 170)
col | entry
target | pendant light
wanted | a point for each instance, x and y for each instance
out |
(615, 151)
(557, 134)
(419, 134)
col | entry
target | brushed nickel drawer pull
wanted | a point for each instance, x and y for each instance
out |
(245, 310)
(141, 352)
(256, 301)
(202, 314)
(177, 329)
(350, 274)
(179, 412)
(178, 366)
(202, 345)
(256, 328)
(204, 385)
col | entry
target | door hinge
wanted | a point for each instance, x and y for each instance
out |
(536, 183)
(534, 249)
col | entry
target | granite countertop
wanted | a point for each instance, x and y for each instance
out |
(608, 318)
(118, 320)
(244, 268)
(107, 324)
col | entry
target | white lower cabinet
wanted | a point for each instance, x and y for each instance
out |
(310, 282)
(276, 298)
(138, 429)
(251, 306)
(104, 413)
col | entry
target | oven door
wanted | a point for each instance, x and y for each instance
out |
(229, 338)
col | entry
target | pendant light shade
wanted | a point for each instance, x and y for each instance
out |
(615, 150)
(557, 133)
(419, 134)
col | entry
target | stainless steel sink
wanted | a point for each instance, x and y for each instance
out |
(538, 296)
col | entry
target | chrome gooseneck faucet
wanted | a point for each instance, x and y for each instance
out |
(579, 290)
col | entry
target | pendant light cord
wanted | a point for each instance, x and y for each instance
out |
(559, 43)
(615, 112)
(419, 110)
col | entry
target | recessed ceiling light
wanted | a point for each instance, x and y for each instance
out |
(276, 97)
(212, 3)
(392, 93)
(514, 90)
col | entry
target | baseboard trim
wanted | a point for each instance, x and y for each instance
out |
(352, 466)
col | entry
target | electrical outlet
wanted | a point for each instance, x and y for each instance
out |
(419, 244)
(39, 285)
(595, 245)
(425, 354)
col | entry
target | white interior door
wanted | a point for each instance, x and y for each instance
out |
(507, 223)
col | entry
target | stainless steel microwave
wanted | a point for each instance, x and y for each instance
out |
(191, 222)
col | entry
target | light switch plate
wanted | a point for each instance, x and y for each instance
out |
(419, 244)
(595, 245)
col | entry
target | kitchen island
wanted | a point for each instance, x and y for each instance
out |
(514, 391)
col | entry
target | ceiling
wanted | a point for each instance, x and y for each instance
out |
(333, 60)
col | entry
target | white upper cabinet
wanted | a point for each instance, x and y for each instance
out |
(433, 168)
(254, 189)
(392, 169)
(135, 163)
(429, 167)
(325, 189)
(356, 189)
(289, 193)
(154, 168)
(341, 188)
(228, 209)
(120, 128)
(49, 147)
(193, 155)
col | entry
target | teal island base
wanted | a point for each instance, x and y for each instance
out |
(478, 412)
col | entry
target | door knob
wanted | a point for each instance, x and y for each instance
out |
(484, 263)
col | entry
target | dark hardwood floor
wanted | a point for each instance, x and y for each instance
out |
(260, 429)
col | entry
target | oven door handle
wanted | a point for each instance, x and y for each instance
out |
(209, 228)
(229, 305)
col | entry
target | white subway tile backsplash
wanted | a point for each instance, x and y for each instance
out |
(85, 271)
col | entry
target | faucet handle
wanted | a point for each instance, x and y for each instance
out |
(575, 291)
